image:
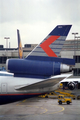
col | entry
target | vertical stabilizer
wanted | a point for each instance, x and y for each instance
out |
(20, 50)
(51, 46)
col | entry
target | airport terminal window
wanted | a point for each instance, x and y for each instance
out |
(76, 72)
(77, 59)
(79, 71)
(3, 60)
(78, 85)
(27, 45)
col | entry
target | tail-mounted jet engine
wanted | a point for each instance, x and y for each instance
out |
(71, 85)
(44, 69)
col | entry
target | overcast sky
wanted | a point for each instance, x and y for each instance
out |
(36, 18)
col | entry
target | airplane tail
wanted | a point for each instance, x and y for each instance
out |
(43, 61)
(20, 50)
(52, 44)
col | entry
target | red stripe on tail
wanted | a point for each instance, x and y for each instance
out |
(46, 48)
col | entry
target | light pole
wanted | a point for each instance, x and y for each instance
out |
(7, 45)
(74, 41)
(6, 41)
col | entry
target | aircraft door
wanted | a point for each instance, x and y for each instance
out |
(3, 88)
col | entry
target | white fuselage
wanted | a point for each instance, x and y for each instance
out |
(14, 88)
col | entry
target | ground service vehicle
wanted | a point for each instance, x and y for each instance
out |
(52, 95)
(64, 99)
(66, 93)
(49, 95)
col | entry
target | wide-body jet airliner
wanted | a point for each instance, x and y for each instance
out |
(40, 71)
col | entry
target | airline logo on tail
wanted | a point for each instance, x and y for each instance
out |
(51, 46)
(46, 48)
(20, 50)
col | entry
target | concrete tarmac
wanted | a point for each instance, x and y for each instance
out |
(40, 109)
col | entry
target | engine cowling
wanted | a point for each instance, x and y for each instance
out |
(71, 85)
(36, 68)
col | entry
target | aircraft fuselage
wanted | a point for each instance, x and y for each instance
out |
(10, 89)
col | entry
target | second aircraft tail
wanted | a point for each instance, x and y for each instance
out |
(20, 50)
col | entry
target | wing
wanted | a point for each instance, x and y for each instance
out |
(43, 83)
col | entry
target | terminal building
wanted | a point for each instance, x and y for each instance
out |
(71, 49)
